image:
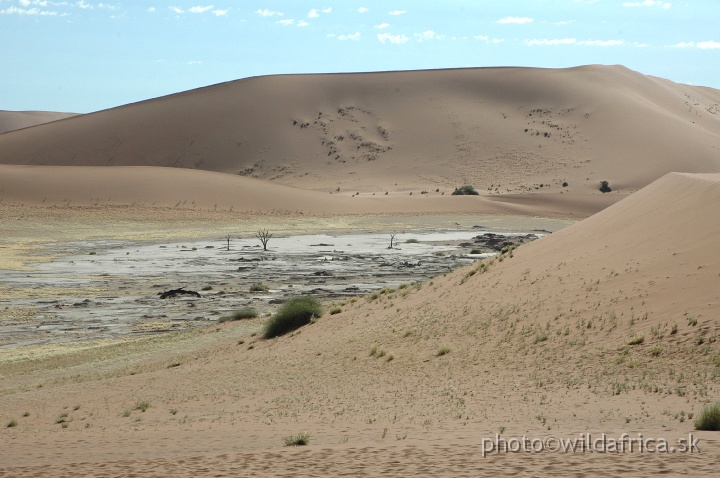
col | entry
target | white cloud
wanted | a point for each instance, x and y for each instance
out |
(151, 9)
(286, 22)
(313, 13)
(516, 20)
(220, 13)
(177, 10)
(574, 41)
(398, 12)
(200, 9)
(352, 36)
(394, 39)
(83, 5)
(648, 3)
(302, 23)
(26, 11)
(428, 35)
(194, 62)
(602, 42)
(327, 10)
(362, 10)
(268, 13)
(487, 39)
(555, 41)
(382, 25)
(703, 45)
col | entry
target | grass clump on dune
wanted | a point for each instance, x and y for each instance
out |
(244, 313)
(709, 418)
(292, 315)
(300, 439)
(259, 287)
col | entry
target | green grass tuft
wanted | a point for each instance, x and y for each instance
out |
(258, 287)
(300, 439)
(244, 313)
(709, 418)
(637, 340)
(292, 315)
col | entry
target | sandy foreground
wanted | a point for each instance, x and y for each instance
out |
(412, 381)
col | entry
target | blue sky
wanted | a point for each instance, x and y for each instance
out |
(83, 56)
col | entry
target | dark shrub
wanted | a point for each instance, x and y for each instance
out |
(293, 314)
(604, 187)
(466, 190)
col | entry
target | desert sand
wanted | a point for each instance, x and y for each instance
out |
(540, 341)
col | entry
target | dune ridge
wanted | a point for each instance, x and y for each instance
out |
(14, 120)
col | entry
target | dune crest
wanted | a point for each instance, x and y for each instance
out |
(14, 120)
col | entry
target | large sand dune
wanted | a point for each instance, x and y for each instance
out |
(504, 130)
(537, 343)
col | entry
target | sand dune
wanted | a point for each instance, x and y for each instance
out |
(14, 120)
(191, 190)
(537, 343)
(504, 130)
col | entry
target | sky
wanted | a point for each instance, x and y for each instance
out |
(83, 56)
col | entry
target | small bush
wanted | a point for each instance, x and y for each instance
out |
(411, 241)
(335, 310)
(300, 439)
(12, 423)
(466, 190)
(207, 287)
(258, 287)
(709, 418)
(442, 351)
(293, 314)
(142, 406)
(244, 313)
(476, 251)
(637, 340)
(605, 187)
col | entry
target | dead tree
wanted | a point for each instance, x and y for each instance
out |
(175, 292)
(227, 238)
(392, 238)
(264, 235)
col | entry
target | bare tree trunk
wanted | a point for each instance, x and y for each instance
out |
(264, 235)
(392, 238)
(228, 241)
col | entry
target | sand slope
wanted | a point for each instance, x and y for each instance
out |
(191, 190)
(537, 343)
(14, 120)
(504, 130)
